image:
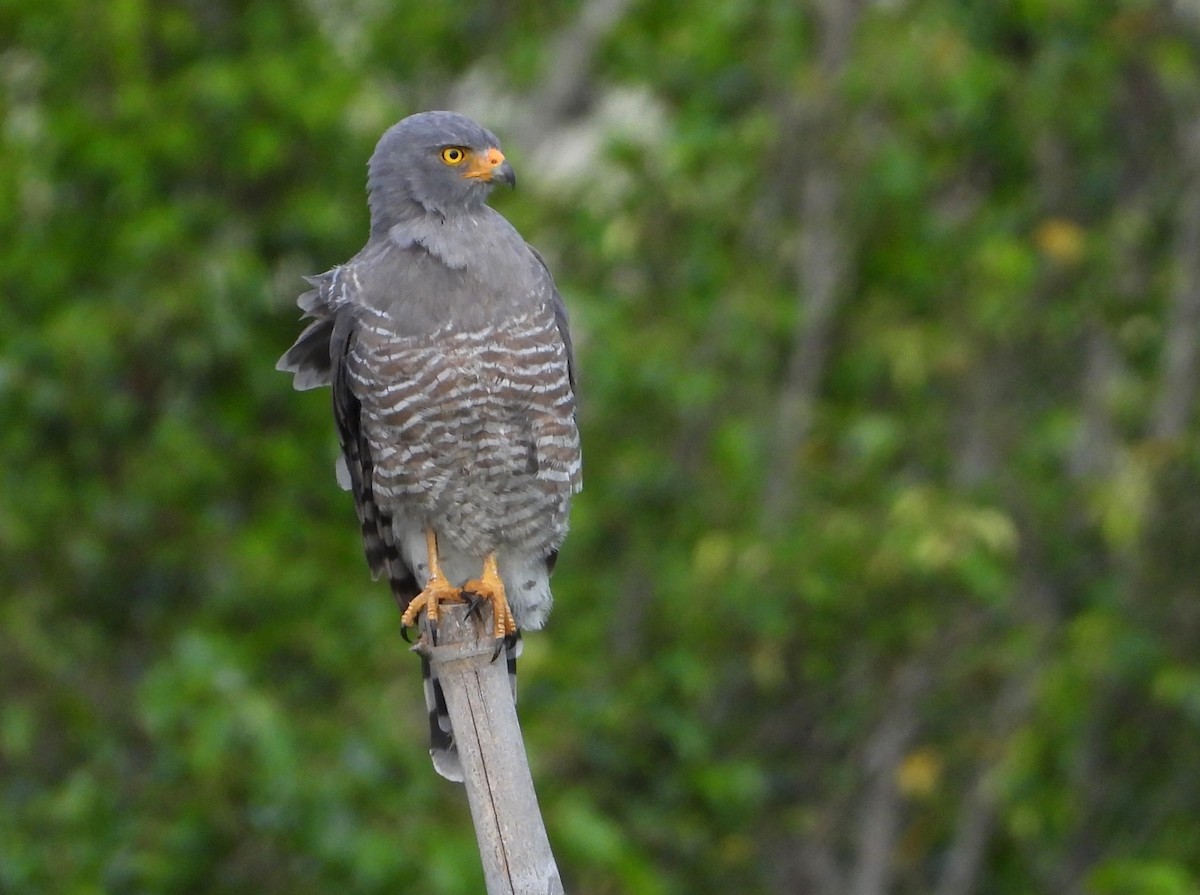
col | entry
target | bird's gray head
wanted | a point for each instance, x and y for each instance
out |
(433, 163)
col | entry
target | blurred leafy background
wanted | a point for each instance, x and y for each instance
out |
(885, 578)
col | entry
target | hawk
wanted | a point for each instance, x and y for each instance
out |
(447, 347)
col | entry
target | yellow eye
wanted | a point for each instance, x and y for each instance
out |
(453, 155)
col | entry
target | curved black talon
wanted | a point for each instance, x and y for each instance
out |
(474, 602)
(404, 629)
(500, 642)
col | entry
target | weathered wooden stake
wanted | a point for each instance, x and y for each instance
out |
(508, 824)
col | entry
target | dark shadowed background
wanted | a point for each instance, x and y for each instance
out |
(886, 574)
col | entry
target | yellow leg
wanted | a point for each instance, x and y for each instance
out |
(489, 587)
(437, 590)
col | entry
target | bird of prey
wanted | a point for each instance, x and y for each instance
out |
(447, 348)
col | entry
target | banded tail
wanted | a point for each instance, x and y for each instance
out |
(442, 748)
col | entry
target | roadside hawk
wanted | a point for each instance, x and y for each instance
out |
(446, 344)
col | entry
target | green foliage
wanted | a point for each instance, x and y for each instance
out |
(980, 595)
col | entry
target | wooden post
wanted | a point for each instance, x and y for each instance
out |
(512, 838)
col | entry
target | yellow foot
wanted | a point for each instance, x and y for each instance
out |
(436, 592)
(489, 587)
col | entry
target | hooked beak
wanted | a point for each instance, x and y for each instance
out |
(505, 173)
(491, 166)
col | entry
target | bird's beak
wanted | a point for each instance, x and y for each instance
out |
(506, 173)
(491, 166)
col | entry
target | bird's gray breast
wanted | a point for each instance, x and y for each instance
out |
(469, 271)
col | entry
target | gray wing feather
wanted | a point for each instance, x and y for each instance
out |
(563, 323)
(309, 359)
(317, 358)
(561, 319)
